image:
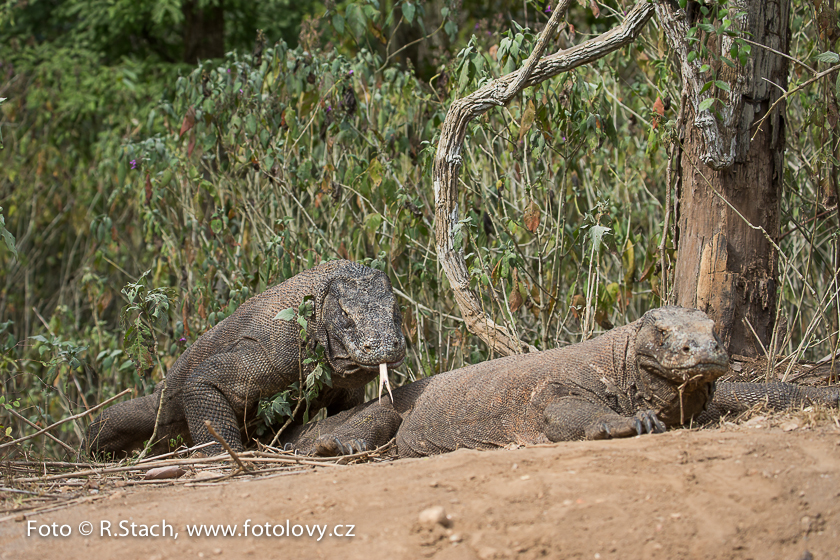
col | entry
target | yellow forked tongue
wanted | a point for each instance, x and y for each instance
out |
(383, 380)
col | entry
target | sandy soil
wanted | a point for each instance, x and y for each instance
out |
(753, 491)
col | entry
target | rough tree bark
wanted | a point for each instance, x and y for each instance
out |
(204, 31)
(731, 176)
(448, 160)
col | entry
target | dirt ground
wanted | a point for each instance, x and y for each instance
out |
(766, 489)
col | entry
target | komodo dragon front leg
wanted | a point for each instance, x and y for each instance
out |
(573, 418)
(224, 390)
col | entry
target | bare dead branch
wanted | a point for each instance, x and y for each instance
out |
(448, 159)
(68, 419)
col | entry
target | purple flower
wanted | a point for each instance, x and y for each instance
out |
(228, 70)
(548, 9)
(182, 339)
(133, 163)
(476, 26)
(350, 73)
(240, 91)
(329, 108)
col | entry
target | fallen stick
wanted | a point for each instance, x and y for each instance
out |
(52, 437)
(221, 440)
(65, 420)
(191, 461)
(176, 452)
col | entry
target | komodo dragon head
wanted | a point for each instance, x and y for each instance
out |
(677, 350)
(361, 327)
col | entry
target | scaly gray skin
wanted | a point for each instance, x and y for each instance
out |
(733, 398)
(250, 355)
(654, 373)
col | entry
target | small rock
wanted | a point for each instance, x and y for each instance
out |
(161, 473)
(790, 426)
(435, 515)
(524, 477)
(756, 422)
(456, 538)
(217, 551)
(202, 475)
(806, 556)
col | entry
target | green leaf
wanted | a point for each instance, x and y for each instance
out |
(287, 314)
(451, 29)
(356, 20)
(408, 11)
(338, 23)
(465, 77)
(722, 85)
(706, 103)
(596, 234)
(828, 57)
(8, 238)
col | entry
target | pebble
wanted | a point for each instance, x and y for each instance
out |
(435, 515)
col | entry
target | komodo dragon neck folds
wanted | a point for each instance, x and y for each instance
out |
(654, 373)
(251, 355)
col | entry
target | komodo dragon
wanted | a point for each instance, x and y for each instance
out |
(651, 374)
(250, 355)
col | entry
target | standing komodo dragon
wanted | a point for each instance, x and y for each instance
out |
(251, 355)
(654, 373)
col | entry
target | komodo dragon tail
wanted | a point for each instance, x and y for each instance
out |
(130, 424)
(739, 397)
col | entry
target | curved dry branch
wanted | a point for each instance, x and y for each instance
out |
(447, 164)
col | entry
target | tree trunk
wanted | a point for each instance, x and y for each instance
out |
(729, 199)
(204, 31)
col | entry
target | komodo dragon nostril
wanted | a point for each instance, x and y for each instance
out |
(367, 346)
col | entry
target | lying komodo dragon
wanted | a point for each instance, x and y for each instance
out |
(654, 373)
(251, 355)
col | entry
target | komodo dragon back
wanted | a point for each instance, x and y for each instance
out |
(251, 355)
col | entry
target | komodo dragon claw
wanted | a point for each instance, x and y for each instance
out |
(652, 423)
(331, 446)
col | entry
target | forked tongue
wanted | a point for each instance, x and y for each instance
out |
(383, 380)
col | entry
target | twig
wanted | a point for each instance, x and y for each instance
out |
(176, 452)
(227, 447)
(25, 419)
(791, 92)
(16, 491)
(74, 417)
(780, 53)
(153, 439)
(314, 461)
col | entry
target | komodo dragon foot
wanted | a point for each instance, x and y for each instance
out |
(332, 446)
(644, 422)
